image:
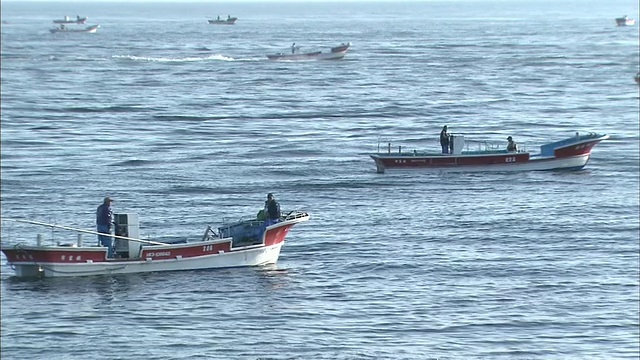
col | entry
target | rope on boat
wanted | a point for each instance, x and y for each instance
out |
(85, 231)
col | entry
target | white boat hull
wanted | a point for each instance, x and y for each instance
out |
(90, 30)
(334, 54)
(573, 163)
(253, 257)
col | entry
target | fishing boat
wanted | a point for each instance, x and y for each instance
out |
(337, 52)
(637, 77)
(228, 21)
(64, 29)
(571, 153)
(68, 20)
(625, 21)
(243, 243)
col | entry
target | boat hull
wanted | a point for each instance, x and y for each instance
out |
(91, 30)
(542, 164)
(231, 21)
(568, 154)
(258, 256)
(625, 21)
(335, 53)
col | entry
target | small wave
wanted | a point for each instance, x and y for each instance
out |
(116, 109)
(191, 190)
(44, 127)
(182, 118)
(135, 162)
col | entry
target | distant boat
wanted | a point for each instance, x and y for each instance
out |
(64, 29)
(67, 20)
(625, 21)
(637, 77)
(569, 154)
(229, 21)
(336, 52)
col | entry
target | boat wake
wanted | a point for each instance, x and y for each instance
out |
(214, 57)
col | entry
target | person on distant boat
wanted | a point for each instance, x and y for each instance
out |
(61, 26)
(104, 219)
(272, 209)
(293, 48)
(228, 17)
(512, 146)
(444, 140)
(218, 17)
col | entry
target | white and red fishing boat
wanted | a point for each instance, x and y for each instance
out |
(245, 243)
(68, 20)
(625, 21)
(335, 53)
(570, 154)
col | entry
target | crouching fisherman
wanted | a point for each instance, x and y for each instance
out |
(271, 210)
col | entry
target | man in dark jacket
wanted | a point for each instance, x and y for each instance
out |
(272, 209)
(511, 145)
(444, 140)
(104, 218)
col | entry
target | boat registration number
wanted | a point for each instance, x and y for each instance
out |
(510, 159)
(159, 253)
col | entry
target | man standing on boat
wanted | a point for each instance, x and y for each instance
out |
(512, 146)
(272, 209)
(104, 219)
(293, 48)
(444, 140)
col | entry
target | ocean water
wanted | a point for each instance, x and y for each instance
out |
(188, 124)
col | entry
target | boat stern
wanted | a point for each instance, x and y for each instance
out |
(380, 168)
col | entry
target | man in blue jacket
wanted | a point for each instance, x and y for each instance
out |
(104, 219)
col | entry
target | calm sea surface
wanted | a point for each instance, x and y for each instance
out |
(187, 124)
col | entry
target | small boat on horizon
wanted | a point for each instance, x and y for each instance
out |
(68, 20)
(335, 53)
(64, 29)
(251, 242)
(568, 154)
(625, 21)
(228, 21)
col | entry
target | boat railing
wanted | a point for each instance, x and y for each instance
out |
(59, 230)
(490, 146)
(295, 214)
(385, 147)
(228, 223)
